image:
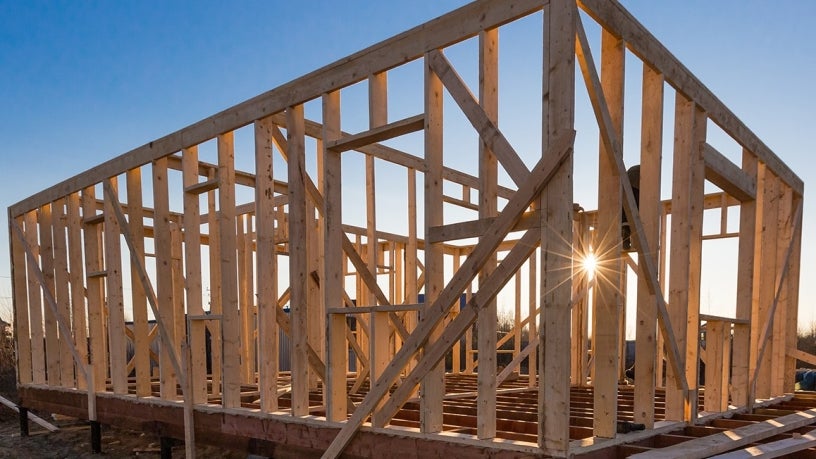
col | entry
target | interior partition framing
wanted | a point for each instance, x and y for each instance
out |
(252, 264)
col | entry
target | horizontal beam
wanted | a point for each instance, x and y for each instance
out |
(720, 171)
(476, 228)
(710, 318)
(378, 134)
(369, 309)
(202, 187)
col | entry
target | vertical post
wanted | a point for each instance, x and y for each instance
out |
(608, 302)
(95, 291)
(246, 298)
(685, 260)
(488, 207)
(21, 325)
(162, 244)
(96, 437)
(333, 262)
(696, 209)
(678, 262)
(740, 377)
(52, 350)
(215, 326)
(765, 273)
(188, 389)
(179, 314)
(556, 231)
(62, 282)
(113, 292)
(579, 344)
(411, 288)
(230, 324)
(298, 275)
(793, 295)
(379, 327)
(456, 364)
(141, 342)
(718, 346)
(316, 331)
(778, 348)
(197, 380)
(532, 328)
(267, 266)
(651, 143)
(432, 388)
(23, 413)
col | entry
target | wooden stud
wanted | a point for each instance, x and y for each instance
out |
(61, 284)
(141, 342)
(246, 298)
(336, 352)
(215, 327)
(298, 268)
(680, 243)
(779, 342)
(267, 272)
(765, 275)
(163, 246)
(316, 332)
(117, 347)
(532, 327)
(410, 275)
(793, 297)
(718, 349)
(230, 324)
(696, 209)
(608, 301)
(488, 207)
(95, 291)
(433, 384)
(556, 228)
(379, 328)
(650, 171)
(46, 252)
(179, 313)
(22, 331)
(192, 276)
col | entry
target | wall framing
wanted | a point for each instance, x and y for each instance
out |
(353, 292)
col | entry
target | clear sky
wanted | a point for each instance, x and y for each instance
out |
(82, 82)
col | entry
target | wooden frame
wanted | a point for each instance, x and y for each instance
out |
(312, 321)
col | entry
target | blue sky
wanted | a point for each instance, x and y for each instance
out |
(82, 82)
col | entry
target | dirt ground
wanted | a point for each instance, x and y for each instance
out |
(73, 440)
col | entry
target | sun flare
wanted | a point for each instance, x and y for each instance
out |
(590, 263)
